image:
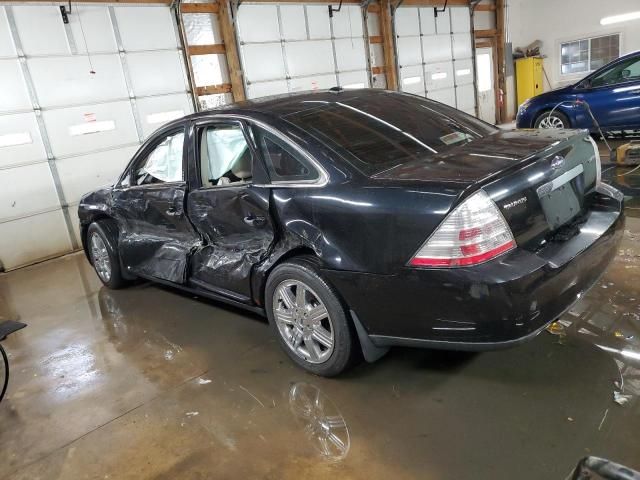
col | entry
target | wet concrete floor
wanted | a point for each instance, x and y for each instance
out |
(150, 383)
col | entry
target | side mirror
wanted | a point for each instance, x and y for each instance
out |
(626, 73)
(585, 84)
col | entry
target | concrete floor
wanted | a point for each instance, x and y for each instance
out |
(150, 383)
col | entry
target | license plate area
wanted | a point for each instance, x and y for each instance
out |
(561, 198)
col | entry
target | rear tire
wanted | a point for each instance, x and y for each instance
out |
(555, 120)
(102, 245)
(312, 327)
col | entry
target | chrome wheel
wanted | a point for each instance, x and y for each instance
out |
(551, 121)
(303, 321)
(100, 257)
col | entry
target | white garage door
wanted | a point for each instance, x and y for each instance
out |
(78, 98)
(289, 48)
(435, 55)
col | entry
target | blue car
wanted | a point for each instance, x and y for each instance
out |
(612, 92)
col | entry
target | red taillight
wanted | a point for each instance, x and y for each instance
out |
(473, 233)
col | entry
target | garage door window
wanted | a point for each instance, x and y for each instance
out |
(164, 163)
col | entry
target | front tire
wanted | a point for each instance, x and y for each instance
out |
(102, 245)
(309, 319)
(552, 120)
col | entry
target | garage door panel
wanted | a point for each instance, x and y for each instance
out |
(351, 54)
(446, 96)
(41, 30)
(13, 81)
(25, 190)
(439, 75)
(409, 51)
(307, 58)
(156, 111)
(436, 48)
(443, 23)
(318, 18)
(427, 21)
(256, 68)
(460, 22)
(96, 28)
(65, 127)
(210, 69)
(348, 22)
(464, 71)
(7, 48)
(316, 82)
(263, 89)
(154, 73)
(33, 238)
(462, 45)
(293, 22)
(407, 22)
(353, 79)
(21, 135)
(60, 81)
(82, 174)
(465, 97)
(412, 79)
(146, 28)
(258, 23)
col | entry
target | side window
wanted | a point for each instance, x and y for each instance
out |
(225, 157)
(284, 162)
(628, 71)
(163, 164)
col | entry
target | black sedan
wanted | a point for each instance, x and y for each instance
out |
(357, 220)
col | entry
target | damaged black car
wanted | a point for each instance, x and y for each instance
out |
(357, 220)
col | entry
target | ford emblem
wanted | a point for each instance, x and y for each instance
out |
(557, 162)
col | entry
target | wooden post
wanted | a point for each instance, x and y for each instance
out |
(500, 39)
(388, 44)
(233, 59)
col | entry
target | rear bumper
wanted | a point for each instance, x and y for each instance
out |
(495, 305)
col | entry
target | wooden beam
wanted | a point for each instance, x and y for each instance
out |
(484, 44)
(214, 89)
(386, 28)
(378, 70)
(233, 59)
(500, 53)
(199, 7)
(485, 7)
(373, 8)
(206, 49)
(375, 39)
(490, 32)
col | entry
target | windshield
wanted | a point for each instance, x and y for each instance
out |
(389, 130)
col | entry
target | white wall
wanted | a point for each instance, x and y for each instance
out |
(554, 22)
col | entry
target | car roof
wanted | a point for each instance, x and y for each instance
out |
(278, 106)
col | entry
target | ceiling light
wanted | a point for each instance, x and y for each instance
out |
(625, 17)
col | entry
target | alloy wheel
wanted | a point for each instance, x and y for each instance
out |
(303, 321)
(551, 121)
(100, 257)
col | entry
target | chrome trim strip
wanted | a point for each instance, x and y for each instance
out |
(559, 181)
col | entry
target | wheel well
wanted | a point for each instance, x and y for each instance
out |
(296, 252)
(85, 226)
(545, 111)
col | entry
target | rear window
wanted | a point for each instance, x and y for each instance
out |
(375, 134)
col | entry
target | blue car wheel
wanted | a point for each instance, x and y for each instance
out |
(552, 120)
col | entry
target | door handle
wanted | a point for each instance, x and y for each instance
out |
(173, 212)
(254, 221)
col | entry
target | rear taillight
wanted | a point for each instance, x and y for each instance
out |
(474, 232)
